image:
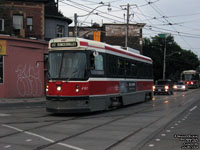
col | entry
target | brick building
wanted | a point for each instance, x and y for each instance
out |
(114, 34)
(32, 19)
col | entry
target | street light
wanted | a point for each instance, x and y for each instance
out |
(76, 16)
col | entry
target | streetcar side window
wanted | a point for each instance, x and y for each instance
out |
(120, 67)
(133, 69)
(96, 64)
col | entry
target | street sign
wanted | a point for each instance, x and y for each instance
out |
(2, 47)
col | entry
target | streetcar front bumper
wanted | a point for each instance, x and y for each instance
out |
(68, 104)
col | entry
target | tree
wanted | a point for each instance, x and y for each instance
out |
(175, 63)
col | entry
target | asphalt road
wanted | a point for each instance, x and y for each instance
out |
(166, 122)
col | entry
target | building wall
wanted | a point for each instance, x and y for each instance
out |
(114, 34)
(51, 27)
(28, 9)
(23, 68)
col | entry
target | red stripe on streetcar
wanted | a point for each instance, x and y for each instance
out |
(84, 43)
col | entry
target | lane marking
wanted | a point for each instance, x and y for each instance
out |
(151, 145)
(163, 134)
(7, 146)
(172, 127)
(168, 130)
(42, 137)
(157, 140)
(28, 140)
(193, 108)
(4, 115)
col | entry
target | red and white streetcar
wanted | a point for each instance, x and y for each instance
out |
(87, 76)
(191, 78)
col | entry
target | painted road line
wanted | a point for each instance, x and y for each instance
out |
(4, 115)
(193, 108)
(42, 137)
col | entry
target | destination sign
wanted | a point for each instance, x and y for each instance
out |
(63, 44)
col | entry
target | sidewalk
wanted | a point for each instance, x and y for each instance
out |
(21, 101)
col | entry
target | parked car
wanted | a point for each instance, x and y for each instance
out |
(163, 87)
(180, 86)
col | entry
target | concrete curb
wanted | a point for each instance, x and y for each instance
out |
(10, 102)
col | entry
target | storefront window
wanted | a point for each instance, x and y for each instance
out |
(1, 69)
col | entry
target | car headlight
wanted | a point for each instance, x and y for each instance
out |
(175, 87)
(166, 87)
(154, 88)
(183, 87)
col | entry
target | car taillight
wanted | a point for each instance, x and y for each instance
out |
(192, 83)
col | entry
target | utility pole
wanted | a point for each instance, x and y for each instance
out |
(127, 25)
(75, 25)
(127, 22)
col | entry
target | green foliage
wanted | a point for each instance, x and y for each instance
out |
(175, 62)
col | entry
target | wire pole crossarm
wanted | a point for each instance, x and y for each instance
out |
(127, 21)
(76, 18)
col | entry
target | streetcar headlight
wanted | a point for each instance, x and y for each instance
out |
(77, 88)
(59, 88)
(47, 88)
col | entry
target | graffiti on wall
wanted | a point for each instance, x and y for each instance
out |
(28, 81)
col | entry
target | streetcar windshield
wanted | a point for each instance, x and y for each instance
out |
(188, 77)
(67, 65)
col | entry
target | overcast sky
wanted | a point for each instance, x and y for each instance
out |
(181, 18)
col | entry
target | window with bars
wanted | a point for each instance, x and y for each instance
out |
(60, 31)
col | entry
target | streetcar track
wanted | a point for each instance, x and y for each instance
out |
(120, 116)
(85, 131)
(15, 133)
(132, 133)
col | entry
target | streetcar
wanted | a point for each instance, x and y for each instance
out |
(191, 78)
(88, 76)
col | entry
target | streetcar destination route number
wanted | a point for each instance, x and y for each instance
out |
(64, 44)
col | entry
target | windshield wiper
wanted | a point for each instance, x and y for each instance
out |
(72, 74)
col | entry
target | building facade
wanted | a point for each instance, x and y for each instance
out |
(22, 67)
(38, 19)
(114, 34)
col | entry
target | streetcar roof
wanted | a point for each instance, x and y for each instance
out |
(189, 72)
(85, 44)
